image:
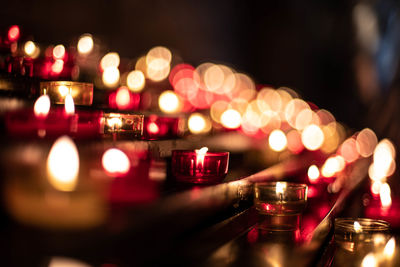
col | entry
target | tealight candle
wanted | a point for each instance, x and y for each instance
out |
(199, 166)
(82, 93)
(123, 126)
(280, 205)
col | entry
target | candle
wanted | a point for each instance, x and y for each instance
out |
(199, 166)
(280, 205)
(45, 121)
(82, 93)
(55, 193)
(123, 126)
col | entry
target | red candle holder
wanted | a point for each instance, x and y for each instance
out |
(87, 124)
(193, 167)
(25, 124)
(156, 127)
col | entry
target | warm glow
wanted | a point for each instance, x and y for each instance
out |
(63, 164)
(334, 133)
(384, 155)
(294, 143)
(31, 49)
(123, 98)
(376, 187)
(57, 66)
(325, 117)
(69, 105)
(369, 261)
(231, 119)
(313, 173)
(159, 52)
(214, 78)
(305, 118)
(169, 102)
(280, 187)
(312, 137)
(111, 77)
(357, 227)
(197, 123)
(293, 108)
(277, 140)
(135, 80)
(59, 52)
(114, 122)
(217, 109)
(333, 165)
(85, 44)
(42, 106)
(379, 172)
(390, 248)
(200, 154)
(386, 199)
(348, 150)
(115, 161)
(13, 33)
(153, 128)
(268, 98)
(110, 60)
(158, 69)
(63, 90)
(366, 142)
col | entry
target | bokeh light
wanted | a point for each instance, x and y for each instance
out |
(135, 80)
(366, 142)
(42, 106)
(313, 174)
(59, 51)
(115, 162)
(231, 119)
(123, 98)
(111, 77)
(110, 60)
(277, 140)
(198, 123)
(348, 150)
(13, 33)
(31, 49)
(85, 44)
(169, 102)
(312, 137)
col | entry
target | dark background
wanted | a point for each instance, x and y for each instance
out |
(306, 45)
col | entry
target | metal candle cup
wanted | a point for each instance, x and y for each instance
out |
(280, 204)
(82, 93)
(191, 167)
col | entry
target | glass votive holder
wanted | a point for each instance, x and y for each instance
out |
(190, 166)
(82, 93)
(123, 126)
(280, 204)
(361, 234)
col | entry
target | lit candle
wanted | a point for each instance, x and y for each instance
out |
(123, 126)
(82, 93)
(199, 166)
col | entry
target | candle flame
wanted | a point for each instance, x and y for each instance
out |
(69, 105)
(63, 164)
(369, 260)
(390, 248)
(42, 106)
(386, 199)
(115, 161)
(357, 227)
(313, 173)
(63, 90)
(114, 121)
(280, 187)
(200, 154)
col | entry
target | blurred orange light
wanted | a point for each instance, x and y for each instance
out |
(214, 78)
(59, 52)
(231, 119)
(85, 44)
(369, 260)
(158, 69)
(159, 52)
(384, 155)
(31, 49)
(69, 105)
(294, 143)
(332, 166)
(13, 33)
(376, 187)
(348, 150)
(135, 80)
(366, 142)
(312, 137)
(313, 174)
(198, 123)
(385, 195)
(277, 140)
(110, 60)
(115, 162)
(42, 106)
(123, 97)
(293, 108)
(390, 248)
(153, 128)
(217, 109)
(57, 66)
(110, 77)
(169, 102)
(63, 164)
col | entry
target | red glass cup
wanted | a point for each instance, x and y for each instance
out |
(191, 167)
(157, 128)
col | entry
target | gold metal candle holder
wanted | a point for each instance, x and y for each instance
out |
(123, 126)
(82, 93)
